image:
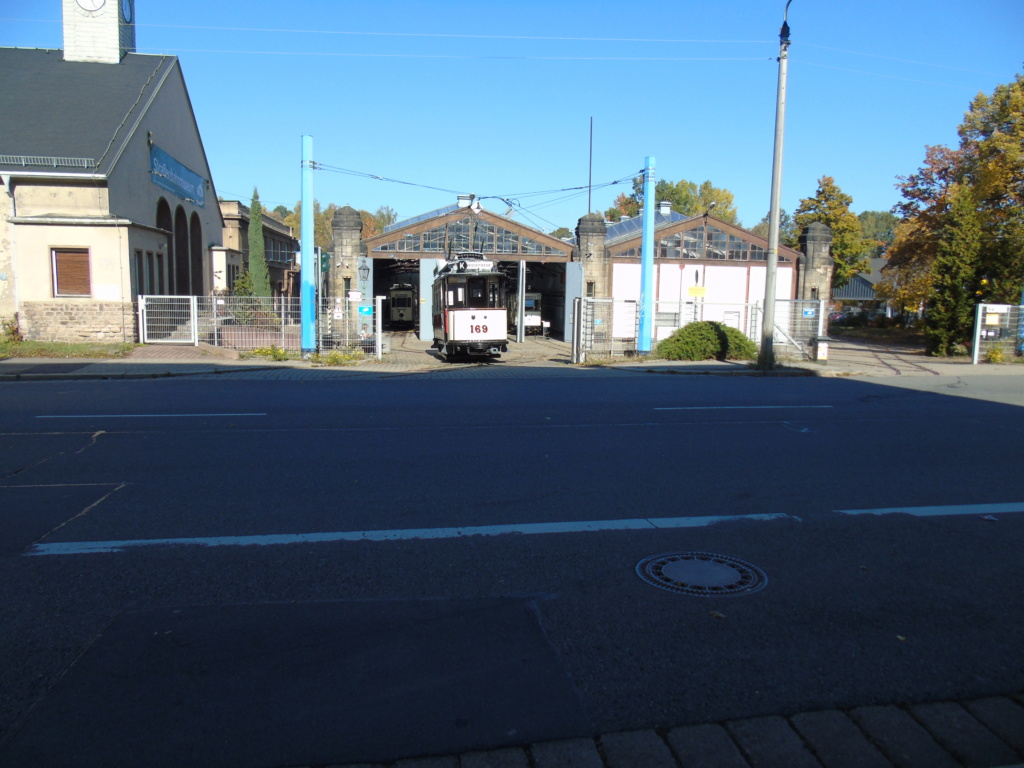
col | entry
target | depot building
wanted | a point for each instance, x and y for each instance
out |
(694, 257)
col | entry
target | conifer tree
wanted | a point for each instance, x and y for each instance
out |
(257, 256)
(955, 285)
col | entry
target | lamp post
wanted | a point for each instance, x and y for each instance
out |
(766, 356)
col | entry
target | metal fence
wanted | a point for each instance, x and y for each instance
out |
(998, 332)
(610, 327)
(253, 322)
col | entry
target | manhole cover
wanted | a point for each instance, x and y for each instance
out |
(701, 573)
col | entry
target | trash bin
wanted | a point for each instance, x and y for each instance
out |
(820, 344)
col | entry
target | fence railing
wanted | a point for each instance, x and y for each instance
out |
(998, 332)
(254, 322)
(610, 328)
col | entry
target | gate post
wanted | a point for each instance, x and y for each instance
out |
(142, 319)
(193, 306)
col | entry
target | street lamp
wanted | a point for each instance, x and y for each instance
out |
(766, 356)
(364, 271)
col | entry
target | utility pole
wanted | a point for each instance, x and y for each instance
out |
(766, 356)
(647, 261)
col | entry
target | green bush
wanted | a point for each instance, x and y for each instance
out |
(736, 345)
(707, 340)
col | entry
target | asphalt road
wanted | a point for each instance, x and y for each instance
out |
(246, 573)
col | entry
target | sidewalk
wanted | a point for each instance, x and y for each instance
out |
(410, 355)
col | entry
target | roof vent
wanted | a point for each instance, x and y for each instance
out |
(624, 217)
(465, 200)
(665, 207)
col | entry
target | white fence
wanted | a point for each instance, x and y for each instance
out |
(998, 332)
(610, 328)
(252, 322)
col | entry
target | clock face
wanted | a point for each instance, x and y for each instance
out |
(126, 10)
(92, 5)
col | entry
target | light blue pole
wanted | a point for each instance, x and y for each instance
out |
(307, 291)
(647, 261)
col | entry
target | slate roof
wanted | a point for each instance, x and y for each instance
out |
(59, 109)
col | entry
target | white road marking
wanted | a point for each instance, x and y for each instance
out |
(943, 511)
(148, 415)
(90, 547)
(735, 407)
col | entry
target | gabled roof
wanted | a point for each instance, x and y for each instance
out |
(71, 117)
(858, 289)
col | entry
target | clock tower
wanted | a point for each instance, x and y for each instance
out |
(98, 30)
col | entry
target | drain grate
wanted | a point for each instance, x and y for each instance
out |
(701, 573)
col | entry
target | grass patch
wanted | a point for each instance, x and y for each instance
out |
(63, 350)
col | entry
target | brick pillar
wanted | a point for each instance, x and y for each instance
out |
(348, 247)
(816, 263)
(597, 269)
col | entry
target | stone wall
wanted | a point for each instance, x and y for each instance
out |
(106, 321)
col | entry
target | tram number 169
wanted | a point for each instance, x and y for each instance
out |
(478, 329)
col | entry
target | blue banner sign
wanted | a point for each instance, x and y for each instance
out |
(175, 177)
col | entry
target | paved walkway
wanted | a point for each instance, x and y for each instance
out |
(536, 356)
(983, 733)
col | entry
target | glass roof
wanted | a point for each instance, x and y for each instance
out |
(625, 228)
(421, 217)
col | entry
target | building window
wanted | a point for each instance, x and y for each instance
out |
(71, 272)
(590, 289)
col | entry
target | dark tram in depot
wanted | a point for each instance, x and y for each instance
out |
(469, 310)
(401, 304)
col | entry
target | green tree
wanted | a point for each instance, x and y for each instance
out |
(257, 256)
(788, 234)
(561, 233)
(878, 229)
(281, 212)
(831, 207)
(955, 286)
(687, 198)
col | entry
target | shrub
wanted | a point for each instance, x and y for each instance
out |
(736, 345)
(707, 340)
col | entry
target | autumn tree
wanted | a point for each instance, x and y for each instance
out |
(323, 231)
(258, 271)
(989, 160)
(374, 223)
(955, 285)
(831, 207)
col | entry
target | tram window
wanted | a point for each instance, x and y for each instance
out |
(492, 295)
(457, 296)
(477, 296)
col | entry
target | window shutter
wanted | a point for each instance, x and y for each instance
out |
(71, 272)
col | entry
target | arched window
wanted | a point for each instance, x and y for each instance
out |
(182, 282)
(161, 279)
(195, 231)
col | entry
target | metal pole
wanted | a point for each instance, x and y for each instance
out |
(378, 313)
(307, 274)
(647, 260)
(766, 356)
(521, 304)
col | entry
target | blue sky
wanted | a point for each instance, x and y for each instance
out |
(495, 99)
